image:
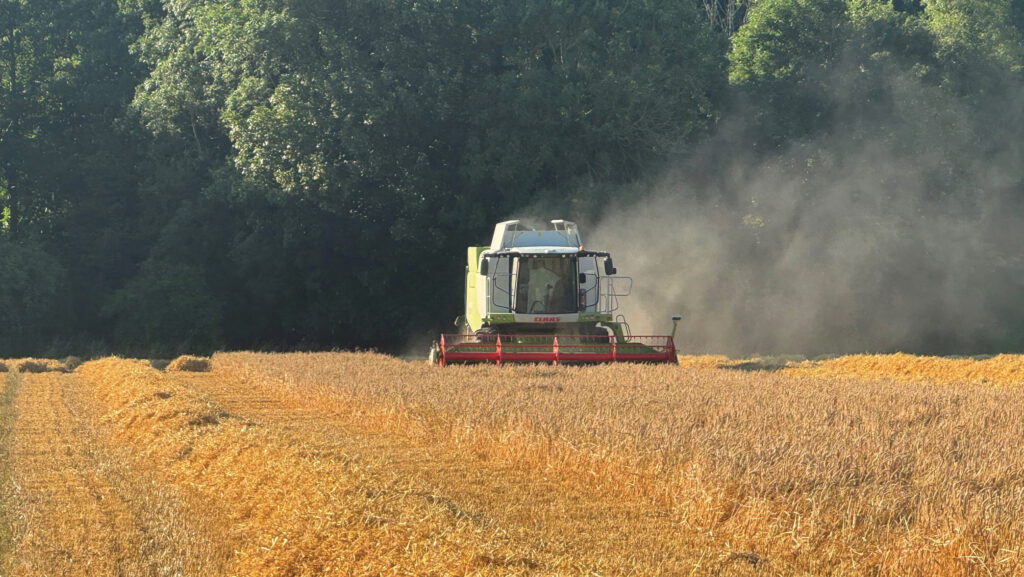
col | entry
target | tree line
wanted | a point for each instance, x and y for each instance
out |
(187, 175)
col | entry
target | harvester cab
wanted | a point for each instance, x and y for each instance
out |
(537, 295)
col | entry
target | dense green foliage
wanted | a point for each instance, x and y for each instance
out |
(186, 175)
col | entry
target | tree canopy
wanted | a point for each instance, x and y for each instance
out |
(184, 175)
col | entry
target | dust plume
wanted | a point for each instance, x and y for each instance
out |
(898, 230)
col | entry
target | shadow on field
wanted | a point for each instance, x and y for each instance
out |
(753, 366)
(767, 364)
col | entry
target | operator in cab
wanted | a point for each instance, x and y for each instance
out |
(547, 284)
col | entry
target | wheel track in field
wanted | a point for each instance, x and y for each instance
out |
(77, 507)
(490, 493)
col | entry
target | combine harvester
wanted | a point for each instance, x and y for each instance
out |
(538, 296)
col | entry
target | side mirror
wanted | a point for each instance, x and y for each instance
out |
(609, 268)
(583, 278)
(484, 266)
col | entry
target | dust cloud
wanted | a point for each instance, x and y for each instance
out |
(899, 230)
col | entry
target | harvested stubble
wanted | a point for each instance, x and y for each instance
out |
(286, 506)
(798, 473)
(73, 503)
(8, 385)
(68, 520)
(189, 364)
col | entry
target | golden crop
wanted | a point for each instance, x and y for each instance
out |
(1000, 370)
(189, 363)
(362, 464)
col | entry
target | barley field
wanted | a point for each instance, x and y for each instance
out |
(364, 464)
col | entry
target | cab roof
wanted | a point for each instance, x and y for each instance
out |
(512, 234)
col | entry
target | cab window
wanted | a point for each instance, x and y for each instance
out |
(546, 285)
